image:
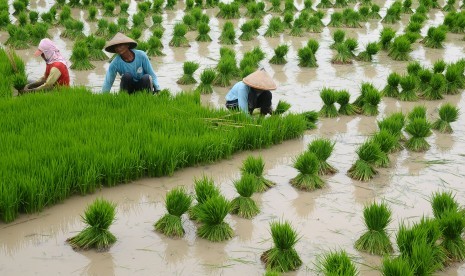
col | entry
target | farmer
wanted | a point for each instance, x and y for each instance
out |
(252, 92)
(56, 70)
(132, 65)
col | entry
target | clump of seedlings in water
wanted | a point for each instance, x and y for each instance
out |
(392, 87)
(92, 14)
(436, 88)
(228, 11)
(449, 6)
(154, 46)
(338, 38)
(452, 225)
(419, 129)
(375, 240)
(329, 97)
(407, 7)
(442, 202)
(364, 12)
(80, 57)
(447, 115)
(387, 142)
(323, 148)
(205, 189)
(418, 111)
(308, 166)
(386, 36)
(109, 8)
(340, 4)
(190, 22)
(37, 32)
(18, 37)
(243, 205)
(311, 117)
(393, 13)
(280, 53)
(179, 39)
(368, 154)
(157, 22)
(400, 48)
(367, 55)
(123, 9)
(225, 69)
(439, 66)
(96, 49)
(123, 25)
(290, 7)
(138, 20)
(282, 257)
(206, 79)
(203, 36)
(275, 6)
(343, 55)
(73, 29)
(435, 37)
(374, 12)
(396, 266)
(177, 202)
(324, 4)
(409, 85)
(247, 30)
(371, 100)
(189, 69)
(228, 35)
(157, 6)
(255, 166)
(351, 18)
(307, 54)
(281, 107)
(336, 20)
(314, 23)
(98, 216)
(275, 27)
(288, 18)
(170, 4)
(135, 33)
(102, 28)
(211, 214)
(296, 29)
(454, 78)
(424, 76)
(394, 125)
(345, 107)
(337, 263)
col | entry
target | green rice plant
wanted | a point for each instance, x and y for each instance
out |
(329, 97)
(96, 49)
(123, 24)
(324, 4)
(350, 18)
(4, 20)
(435, 37)
(359, 101)
(396, 267)
(247, 31)
(280, 53)
(170, 4)
(144, 7)
(407, 7)
(394, 125)
(211, 214)
(374, 13)
(179, 39)
(138, 21)
(296, 29)
(322, 148)
(288, 19)
(447, 115)
(311, 117)
(154, 46)
(228, 11)
(345, 108)
(418, 111)
(228, 36)
(306, 57)
(400, 48)
(205, 189)
(371, 100)
(419, 129)
(102, 28)
(442, 202)
(436, 89)
(439, 66)
(135, 33)
(314, 24)
(243, 205)
(206, 79)
(23, 19)
(372, 48)
(281, 107)
(340, 4)
(282, 257)
(73, 29)
(64, 15)
(336, 20)
(33, 17)
(351, 44)
(424, 77)
(92, 17)
(392, 87)
(307, 179)
(449, 6)
(454, 79)
(275, 27)
(98, 216)
(19, 37)
(157, 22)
(177, 202)
(338, 38)
(190, 22)
(253, 10)
(19, 7)
(386, 36)
(157, 6)
(19, 81)
(203, 36)
(275, 6)
(189, 69)
(387, 143)
(189, 5)
(123, 9)
(375, 240)
(409, 87)
(343, 55)
(37, 32)
(255, 166)
(109, 9)
(226, 67)
(290, 7)
(336, 263)
(80, 58)
(452, 225)
(393, 13)
(256, 23)
(364, 12)
(368, 154)
(74, 3)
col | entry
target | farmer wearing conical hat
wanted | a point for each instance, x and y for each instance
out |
(56, 69)
(252, 92)
(132, 65)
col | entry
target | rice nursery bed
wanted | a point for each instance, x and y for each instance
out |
(60, 146)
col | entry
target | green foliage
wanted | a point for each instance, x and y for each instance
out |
(243, 205)
(372, 48)
(203, 29)
(400, 48)
(368, 154)
(329, 97)
(447, 114)
(371, 100)
(386, 36)
(279, 54)
(392, 87)
(337, 263)
(346, 108)
(179, 39)
(419, 129)
(281, 107)
(338, 37)
(308, 166)
(206, 77)
(189, 68)
(396, 267)
(336, 20)
(452, 225)
(409, 85)
(177, 202)
(211, 214)
(275, 27)
(255, 166)
(442, 202)
(322, 148)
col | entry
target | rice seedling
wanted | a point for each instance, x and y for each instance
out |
(400, 48)
(392, 87)
(199, 3)
(340, 4)
(18, 37)
(407, 7)
(372, 48)
(396, 267)
(170, 4)
(409, 87)
(368, 154)
(374, 12)
(157, 6)
(226, 68)
(351, 18)
(449, 6)
(447, 115)
(329, 97)
(123, 9)
(228, 11)
(454, 79)
(308, 6)
(394, 125)
(243, 205)
(436, 88)
(296, 29)
(135, 33)
(314, 24)
(343, 55)
(452, 225)
(336, 20)
(96, 49)
(336, 263)
(189, 69)
(375, 240)
(19, 81)
(322, 148)
(338, 38)
(280, 53)
(19, 7)
(177, 202)
(73, 29)
(102, 28)
(205, 189)
(418, 111)
(435, 37)
(364, 12)
(247, 31)
(306, 57)
(311, 117)
(144, 7)
(345, 108)
(4, 20)
(282, 257)
(206, 79)
(123, 25)
(439, 66)
(228, 35)
(393, 13)
(442, 202)
(37, 32)
(275, 6)
(361, 98)
(386, 36)
(33, 17)
(109, 9)
(325, 4)
(138, 21)
(371, 100)
(203, 36)
(424, 77)
(275, 27)
(387, 143)
(22, 19)
(157, 22)
(211, 214)
(98, 216)
(190, 22)
(281, 107)
(92, 17)
(307, 179)
(80, 58)
(179, 39)
(419, 129)
(255, 166)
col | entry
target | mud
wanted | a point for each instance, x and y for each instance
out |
(327, 219)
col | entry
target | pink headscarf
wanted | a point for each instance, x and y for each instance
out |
(50, 51)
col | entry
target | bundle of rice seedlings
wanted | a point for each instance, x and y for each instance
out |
(435, 37)
(452, 225)
(396, 267)
(157, 6)
(47, 17)
(288, 18)
(324, 4)
(102, 28)
(203, 36)
(375, 240)
(135, 33)
(374, 13)
(345, 108)
(371, 49)
(308, 166)
(442, 202)
(170, 4)
(393, 13)
(289, 7)
(189, 5)
(282, 257)
(322, 148)
(386, 36)
(206, 79)
(4, 20)
(311, 117)
(37, 32)
(351, 44)
(275, 27)
(18, 37)
(364, 12)
(343, 55)
(454, 78)
(336, 20)
(123, 9)
(338, 38)
(144, 7)
(177, 202)
(418, 111)
(439, 66)
(314, 25)
(275, 6)
(64, 15)
(361, 98)
(419, 129)
(306, 57)
(22, 19)
(228, 36)
(92, 14)
(329, 97)
(368, 154)
(73, 29)
(189, 69)
(371, 100)
(228, 11)
(157, 22)
(351, 18)
(281, 107)
(449, 6)
(400, 48)
(424, 76)
(407, 7)
(19, 7)
(109, 8)
(252, 10)
(279, 54)
(247, 30)
(447, 114)
(96, 49)
(226, 67)
(340, 4)
(337, 263)
(80, 57)
(74, 3)
(179, 39)
(204, 188)
(19, 81)
(33, 17)
(394, 125)
(98, 216)
(391, 89)
(123, 24)
(436, 88)
(154, 46)
(296, 29)
(387, 143)
(256, 23)
(409, 85)
(138, 20)
(255, 166)
(243, 205)
(190, 22)
(211, 214)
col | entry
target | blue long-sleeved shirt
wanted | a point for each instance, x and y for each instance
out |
(240, 92)
(138, 67)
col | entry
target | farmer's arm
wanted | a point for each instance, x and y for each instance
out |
(109, 77)
(35, 84)
(52, 79)
(149, 70)
(242, 97)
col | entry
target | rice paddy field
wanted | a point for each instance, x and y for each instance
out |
(325, 209)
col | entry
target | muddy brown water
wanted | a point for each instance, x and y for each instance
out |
(327, 219)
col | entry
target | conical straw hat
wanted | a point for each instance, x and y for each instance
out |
(119, 38)
(260, 80)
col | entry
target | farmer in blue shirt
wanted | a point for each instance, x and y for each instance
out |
(252, 92)
(132, 65)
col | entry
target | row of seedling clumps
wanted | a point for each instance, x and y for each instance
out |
(375, 151)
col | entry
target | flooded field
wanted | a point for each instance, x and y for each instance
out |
(327, 219)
